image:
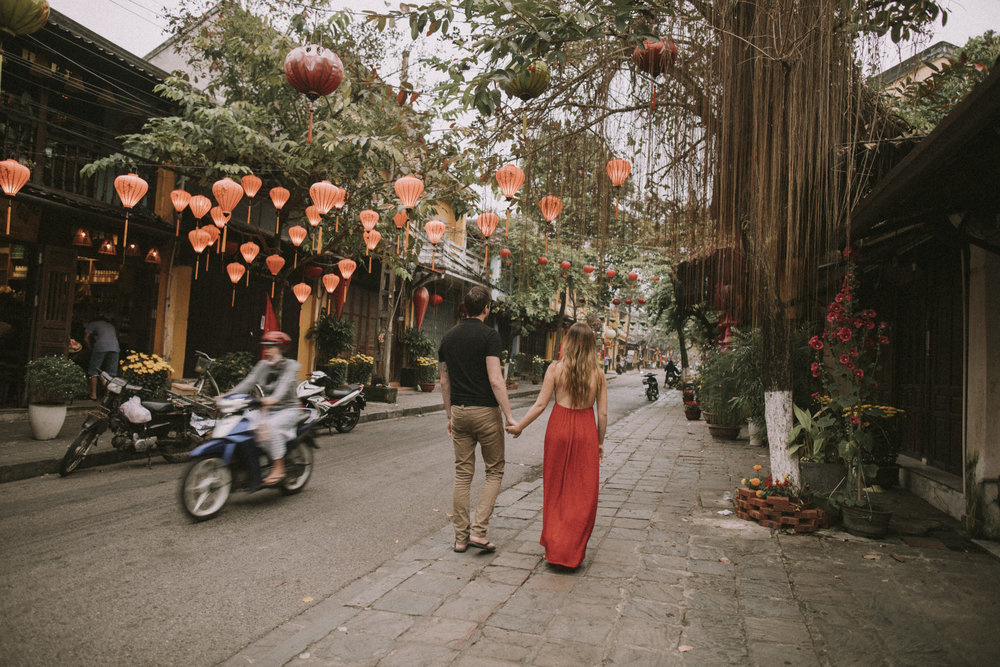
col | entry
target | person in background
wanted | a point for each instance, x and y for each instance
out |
(475, 401)
(102, 339)
(574, 447)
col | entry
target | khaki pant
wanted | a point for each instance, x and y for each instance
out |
(469, 425)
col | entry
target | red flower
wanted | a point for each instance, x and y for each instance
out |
(815, 343)
(815, 369)
(853, 351)
(859, 373)
(883, 340)
(844, 334)
(850, 366)
(870, 324)
(839, 298)
(844, 359)
(831, 316)
(883, 325)
(869, 313)
(856, 420)
(858, 322)
(849, 252)
(869, 342)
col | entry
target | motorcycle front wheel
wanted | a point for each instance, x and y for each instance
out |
(79, 448)
(652, 393)
(298, 469)
(205, 487)
(348, 419)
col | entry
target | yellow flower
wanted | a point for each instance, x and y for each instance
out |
(755, 481)
(743, 481)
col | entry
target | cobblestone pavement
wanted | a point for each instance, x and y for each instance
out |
(667, 580)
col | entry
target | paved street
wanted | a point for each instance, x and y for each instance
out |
(102, 568)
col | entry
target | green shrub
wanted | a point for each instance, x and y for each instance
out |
(359, 368)
(428, 368)
(336, 369)
(54, 380)
(418, 344)
(333, 336)
(232, 367)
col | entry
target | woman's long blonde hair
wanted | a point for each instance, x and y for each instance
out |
(579, 360)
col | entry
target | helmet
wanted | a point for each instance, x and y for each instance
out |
(279, 338)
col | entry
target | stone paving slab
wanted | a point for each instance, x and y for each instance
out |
(667, 581)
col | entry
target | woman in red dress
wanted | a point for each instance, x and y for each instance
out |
(574, 446)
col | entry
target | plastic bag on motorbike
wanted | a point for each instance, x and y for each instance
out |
(135, 412)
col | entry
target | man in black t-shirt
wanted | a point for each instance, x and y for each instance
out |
(475, 401)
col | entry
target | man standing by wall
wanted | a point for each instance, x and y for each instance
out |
(475, 401)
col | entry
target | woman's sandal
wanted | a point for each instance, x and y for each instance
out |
(488, 547)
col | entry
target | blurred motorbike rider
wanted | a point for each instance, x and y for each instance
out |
(277, 377)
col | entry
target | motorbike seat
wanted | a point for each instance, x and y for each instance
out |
(341, 391)
(158, 406)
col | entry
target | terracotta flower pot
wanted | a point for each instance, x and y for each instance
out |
(426, 386)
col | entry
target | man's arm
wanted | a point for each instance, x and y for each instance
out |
(446, 392)
(602, 414)
(495, 373)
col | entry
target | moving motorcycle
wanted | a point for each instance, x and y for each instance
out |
(338, 407)
(233, 457)
(652, 388)
(172, 427)
(672, 375)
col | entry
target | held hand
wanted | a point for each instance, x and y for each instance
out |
(513, 429)
(600, 454)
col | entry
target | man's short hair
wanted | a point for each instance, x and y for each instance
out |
(476, 301)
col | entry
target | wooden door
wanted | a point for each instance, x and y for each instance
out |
(55, 302)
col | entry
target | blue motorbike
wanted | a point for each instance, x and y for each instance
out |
(232, 458)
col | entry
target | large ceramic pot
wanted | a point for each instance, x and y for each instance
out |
(426, 386)
(46, 419)
(724, 432)
(692, 414)
(865, 522)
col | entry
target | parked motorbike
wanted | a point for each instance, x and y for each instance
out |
(652, 387)
(672, 375)
(233, 458)
(338, 407)
(172, 428)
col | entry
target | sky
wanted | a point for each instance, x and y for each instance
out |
(137, 25)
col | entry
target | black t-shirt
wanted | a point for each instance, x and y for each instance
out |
(464, 350)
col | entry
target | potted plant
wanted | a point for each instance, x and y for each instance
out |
(148, 371)
(336, 370)
(691, 410)
(814, 437)
(538, 366)
(359, 368)
(774, 503)
(232, 367)
(427, 368)
(718, 389)
(51, 382)
(845, 361)
(416, 344)
(333, 336)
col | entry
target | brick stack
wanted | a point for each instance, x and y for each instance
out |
(780, 512)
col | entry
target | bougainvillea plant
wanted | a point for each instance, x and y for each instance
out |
(846, 362)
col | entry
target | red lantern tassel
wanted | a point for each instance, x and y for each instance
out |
(652, 107)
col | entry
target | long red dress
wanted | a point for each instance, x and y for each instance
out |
(570, 480)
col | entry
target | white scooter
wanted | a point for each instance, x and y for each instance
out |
(338, 407)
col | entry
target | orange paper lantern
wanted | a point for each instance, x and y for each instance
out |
(249, 251)
(274, 264)
(369, 219)
(510, 178)
(330, 283)
(279, 196)
(400, 219)
(487, 223)
(180, 199)
(199, 239)
(347, 267)
(219, 216)
(313, 215)
(323, 195)
(153, 256)
(618, 170)
(301, 291)
(435, 229)
(297, 234)
(251, 184)
(409, 189)
(130, 189)
(372, 239)
(13, 176)
(235, 271)
(551, 207)
(228, 193)
(200, 205)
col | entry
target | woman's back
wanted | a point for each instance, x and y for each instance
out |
(563, 394)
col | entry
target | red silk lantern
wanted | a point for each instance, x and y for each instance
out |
(543, 261)
(510, 178)
(628, 302)
(301, 291)
(313, 71)
(200, 205)
(436, 300)
(435, 229)
(616, 301)
(564, 265)
(130, 189)
(505, 253)
(323, 195)
(340, 296)
(655, 58)
(588, 269)
(633, 276)
(611, 273)
(369, 219)
(618, 170)
(347, 267)
(655, 279)
(641, 301)
(228, 193)
(251, 184)
(13, 174)
(279, 196)
(372, 239)
(420, 299)
(180, 200)
(235, 271)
